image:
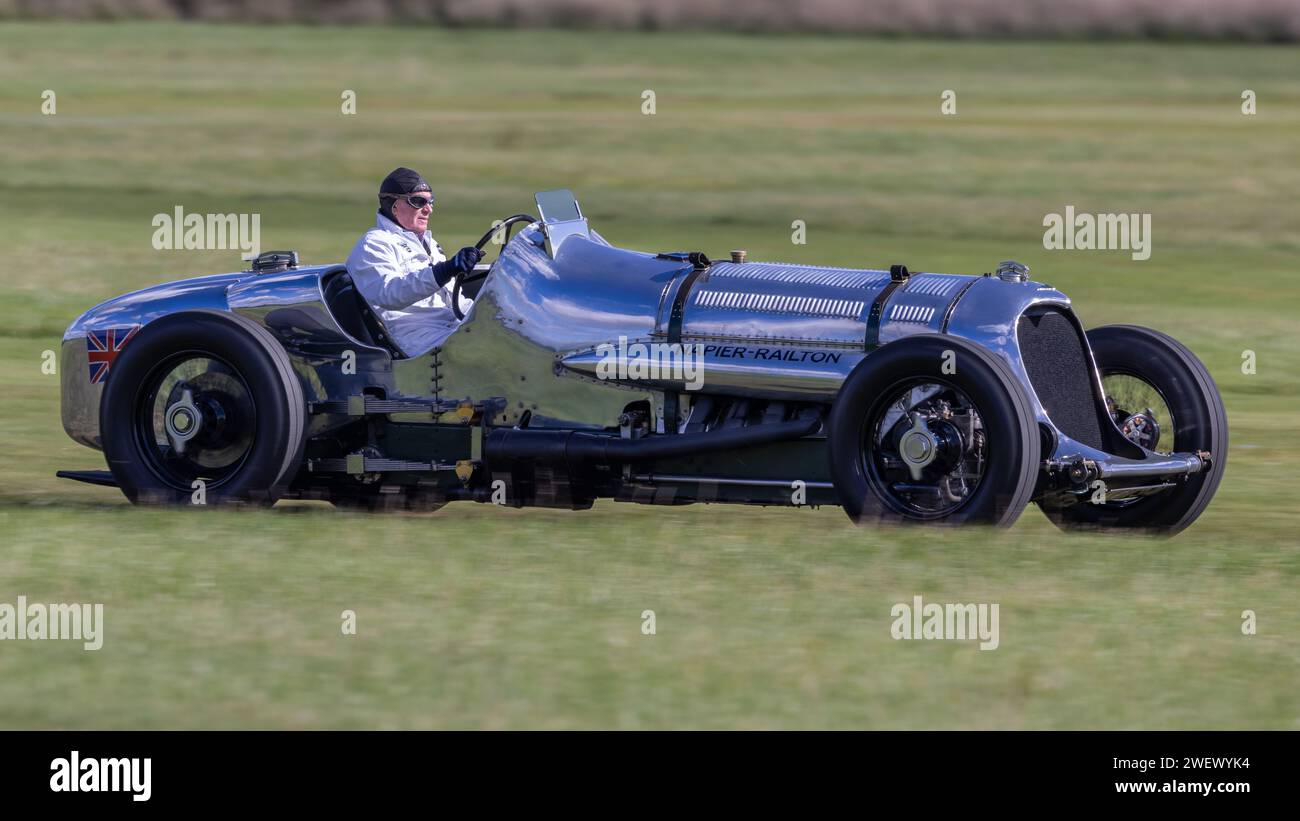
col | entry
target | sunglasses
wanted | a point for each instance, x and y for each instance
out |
(415, 202)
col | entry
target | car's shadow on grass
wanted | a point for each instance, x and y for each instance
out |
(20, 504)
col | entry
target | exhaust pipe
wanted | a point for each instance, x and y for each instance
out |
(576, 448)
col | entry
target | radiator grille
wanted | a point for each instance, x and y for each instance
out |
(1061, 373)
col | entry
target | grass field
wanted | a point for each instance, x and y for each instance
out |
(476, 617)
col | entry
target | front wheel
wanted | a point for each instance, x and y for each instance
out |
(1162, 398)
(933, 428)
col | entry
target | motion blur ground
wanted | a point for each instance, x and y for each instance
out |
(482, 617)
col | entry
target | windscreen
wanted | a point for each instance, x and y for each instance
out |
(558, 205)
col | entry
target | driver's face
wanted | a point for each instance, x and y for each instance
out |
(412, 219)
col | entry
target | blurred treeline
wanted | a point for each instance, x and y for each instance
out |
(1252, 20)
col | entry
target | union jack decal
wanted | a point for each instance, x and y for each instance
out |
(103, 346)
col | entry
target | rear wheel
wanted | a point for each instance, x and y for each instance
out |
(935, 429)
(203, 408)
(1163, 399)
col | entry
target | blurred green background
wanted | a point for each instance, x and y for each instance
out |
(477, 617)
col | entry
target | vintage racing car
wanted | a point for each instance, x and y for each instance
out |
(586, 371)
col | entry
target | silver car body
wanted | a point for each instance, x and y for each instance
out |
(558, 292)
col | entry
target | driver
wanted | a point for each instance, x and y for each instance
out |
(401, 271)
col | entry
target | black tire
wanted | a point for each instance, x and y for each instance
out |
(1012, 443)
(1200, 423)
(251, 360)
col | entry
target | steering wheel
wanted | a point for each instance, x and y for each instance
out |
(508, 224)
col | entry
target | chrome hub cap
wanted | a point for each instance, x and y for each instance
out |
(183, 421)
(1142, 429)
(918, 447)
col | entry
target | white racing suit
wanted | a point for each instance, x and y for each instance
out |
(394, 270)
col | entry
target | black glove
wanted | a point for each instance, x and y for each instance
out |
(466, 258)
(464, 262)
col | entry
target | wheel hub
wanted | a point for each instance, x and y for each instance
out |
(918, 447)
(924, 451)
(1142, 429)
(183, 421)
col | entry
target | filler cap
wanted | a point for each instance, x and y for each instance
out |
(1011, 271)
